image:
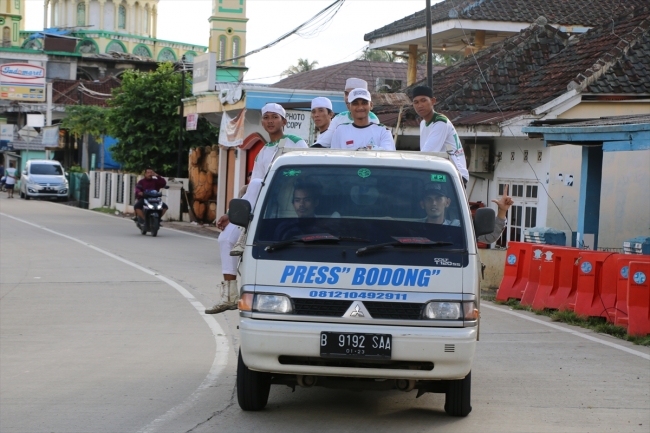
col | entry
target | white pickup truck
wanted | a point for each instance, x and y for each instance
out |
(360, 271)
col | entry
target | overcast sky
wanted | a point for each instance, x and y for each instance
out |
(339, 41)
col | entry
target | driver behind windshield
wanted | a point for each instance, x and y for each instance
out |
(151, 181)
(435, 201)
(305, 200)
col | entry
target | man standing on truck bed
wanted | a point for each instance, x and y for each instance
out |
(437, 134)
(321, 114)
(362, 133)
(231, 239)
(325, 139)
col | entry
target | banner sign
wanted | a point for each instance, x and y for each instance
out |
(7, 132)
(51, 136)
(191, 122)
(204, 75)
(22, 82)
(298, 123)
(231, 132)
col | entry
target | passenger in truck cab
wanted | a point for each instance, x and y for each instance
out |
(436, 200)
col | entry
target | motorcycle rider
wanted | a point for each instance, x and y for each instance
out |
(151, 181)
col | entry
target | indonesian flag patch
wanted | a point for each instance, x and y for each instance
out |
(349, 143)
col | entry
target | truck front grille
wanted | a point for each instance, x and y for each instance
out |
(394, 310)
(320, 307)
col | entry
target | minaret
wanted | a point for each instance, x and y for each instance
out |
(12, 21)
(228, 37)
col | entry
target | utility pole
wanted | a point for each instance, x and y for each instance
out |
(429, 46)
(48, 112)
(181, 120)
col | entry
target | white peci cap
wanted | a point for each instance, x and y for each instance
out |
(359, 94)
(321, 102)
(356, 83)
(272, 107)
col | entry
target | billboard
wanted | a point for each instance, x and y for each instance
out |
(22, 82)
(204, 73)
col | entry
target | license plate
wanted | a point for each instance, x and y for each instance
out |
(355, 345)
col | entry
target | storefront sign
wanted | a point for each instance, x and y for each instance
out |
(192, 122)
(22, 82)
(298, 123)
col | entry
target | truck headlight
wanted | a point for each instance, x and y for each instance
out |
(447, 310)
(272, 304)
(443, 310)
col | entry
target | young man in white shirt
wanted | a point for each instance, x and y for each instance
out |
(437, 134)
(362, 133)
(325, 139)
(273, 122)
(321, 114)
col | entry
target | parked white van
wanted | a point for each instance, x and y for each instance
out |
(43, 178)
(347, 281)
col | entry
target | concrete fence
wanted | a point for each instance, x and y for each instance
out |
(117, 191)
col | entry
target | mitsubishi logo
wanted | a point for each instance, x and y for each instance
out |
(357, 312)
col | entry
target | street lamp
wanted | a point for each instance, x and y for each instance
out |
(181, 112)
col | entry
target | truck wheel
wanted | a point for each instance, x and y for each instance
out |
(457, 398)
(252, 387)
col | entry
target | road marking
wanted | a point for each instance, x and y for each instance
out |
(221, 355)
(129, 220)
(569, 331)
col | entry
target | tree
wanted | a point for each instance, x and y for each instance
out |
(144, 120)
(370, 55)
(303, 65)
(87, 120)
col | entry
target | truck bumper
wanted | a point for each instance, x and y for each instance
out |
(451, 350)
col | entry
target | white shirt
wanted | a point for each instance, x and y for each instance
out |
(352, 137)
(345, 118)
(264, 159)
(439, 135)
(10, 180)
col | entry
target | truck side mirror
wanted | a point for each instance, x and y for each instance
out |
(239, 212)
(484, 221)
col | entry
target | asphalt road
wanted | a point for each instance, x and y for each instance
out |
(101, 330)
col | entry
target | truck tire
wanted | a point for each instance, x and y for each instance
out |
(252, 387)
(457, 398)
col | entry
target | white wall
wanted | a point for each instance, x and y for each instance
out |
(566, 161)
(624, 197)
(109, 16)
(95, 18)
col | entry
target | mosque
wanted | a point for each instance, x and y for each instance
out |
(127, 27)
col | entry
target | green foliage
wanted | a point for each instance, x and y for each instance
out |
(144, 119)
(403, 56)
(75, 169)
(86, 119)
(381, 56)
(303, 65)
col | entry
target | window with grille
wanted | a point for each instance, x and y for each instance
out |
(81, 14)
(235, 49)
(523, 213)
(120, 189)
(133, 180)
(222, 48)
(97, 184)
(109, 185)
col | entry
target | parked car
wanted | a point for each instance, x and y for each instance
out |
(43, 178)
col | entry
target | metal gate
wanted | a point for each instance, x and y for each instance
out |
(79, 184)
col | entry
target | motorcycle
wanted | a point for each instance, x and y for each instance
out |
(153, 206)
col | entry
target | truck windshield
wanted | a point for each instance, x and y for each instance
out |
(408, 209)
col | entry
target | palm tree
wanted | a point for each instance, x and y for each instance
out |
(303, 65)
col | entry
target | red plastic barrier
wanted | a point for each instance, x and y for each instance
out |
(622, 272)
(638, 299)
(515, 272)
(595, 298)
(530, 289)
(558, 278)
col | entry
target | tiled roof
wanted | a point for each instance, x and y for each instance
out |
(542, 63)
(333, 77)
(587, 13)
(71, 92)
